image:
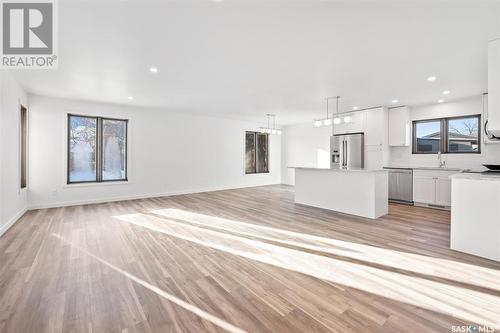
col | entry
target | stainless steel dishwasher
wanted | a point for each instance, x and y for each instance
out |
(401, 185)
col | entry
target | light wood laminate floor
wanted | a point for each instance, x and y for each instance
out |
(244, 260)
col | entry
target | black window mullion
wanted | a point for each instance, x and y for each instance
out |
(444, 135)
(255, 138)
(99, 150)
(126, 150)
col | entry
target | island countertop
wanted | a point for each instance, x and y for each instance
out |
(477, 176)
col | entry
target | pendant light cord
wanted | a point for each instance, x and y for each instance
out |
(327, 108)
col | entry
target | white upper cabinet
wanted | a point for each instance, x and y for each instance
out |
(376, 127)
(399, 126)
(494, 87)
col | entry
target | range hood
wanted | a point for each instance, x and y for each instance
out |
(492, 127)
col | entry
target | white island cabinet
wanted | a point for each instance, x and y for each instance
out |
(475, 214)
(358, 192)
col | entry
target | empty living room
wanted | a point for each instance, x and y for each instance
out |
(249, 166)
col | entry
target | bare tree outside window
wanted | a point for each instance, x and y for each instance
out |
(463, 135)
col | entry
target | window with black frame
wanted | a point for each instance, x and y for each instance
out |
(256, 152)
(454, 135)
(97, 149)
(24, 146)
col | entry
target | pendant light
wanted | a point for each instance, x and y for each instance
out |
(269, 129)
(328, 121)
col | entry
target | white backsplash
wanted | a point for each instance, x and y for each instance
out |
(403, 156)
(490, 153)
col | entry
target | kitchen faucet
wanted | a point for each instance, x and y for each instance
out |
(442, 163)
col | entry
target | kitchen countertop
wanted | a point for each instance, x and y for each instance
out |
(339, 169)
(424, 168)
(478, 176)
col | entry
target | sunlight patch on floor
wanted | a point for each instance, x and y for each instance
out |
(186, 306)
(470, 305)
(448, 269)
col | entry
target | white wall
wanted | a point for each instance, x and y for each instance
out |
(13, 200)
(168, 153)
(490, 153)
(304, 145)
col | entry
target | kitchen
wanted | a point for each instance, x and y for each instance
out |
(437, 156)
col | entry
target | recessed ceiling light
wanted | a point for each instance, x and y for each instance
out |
(440, 100)
(355, 108)
(394, 101)
(153, 70)
(431, 78)
(446, 92)
(130, 97)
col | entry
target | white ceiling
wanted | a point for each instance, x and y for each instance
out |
(245, 59)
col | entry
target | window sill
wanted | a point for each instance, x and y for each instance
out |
(93, 184)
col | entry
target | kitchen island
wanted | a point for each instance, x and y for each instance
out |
(358, 192)
(475, 214)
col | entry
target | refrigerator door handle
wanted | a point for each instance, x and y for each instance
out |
(344, 143)
(342, 154)
(346, 153)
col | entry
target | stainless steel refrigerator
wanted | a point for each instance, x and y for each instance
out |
(347, 150)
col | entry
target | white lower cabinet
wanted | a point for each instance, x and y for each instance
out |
(432, 187)
(424, 189)
(443, 192)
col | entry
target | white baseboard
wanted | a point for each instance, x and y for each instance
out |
(13, 220)
(135, 197)
(16, 217)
